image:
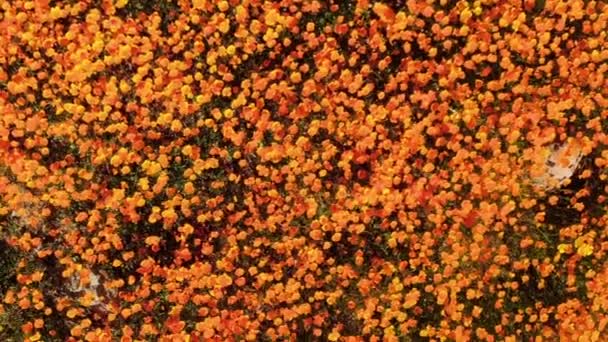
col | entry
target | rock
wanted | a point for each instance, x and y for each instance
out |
(560, 164)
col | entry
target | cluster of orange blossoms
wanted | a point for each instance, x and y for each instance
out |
(229, 170)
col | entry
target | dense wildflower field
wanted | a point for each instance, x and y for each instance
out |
(303, 170)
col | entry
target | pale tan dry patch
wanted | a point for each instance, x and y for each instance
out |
(560, 163)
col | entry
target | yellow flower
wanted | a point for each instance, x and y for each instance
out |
(143, 184)
(87, 299)
(465, 15)
(199, 4)
(333, 336)
(55, 13)
(223, 6)
(584, 250)
(152, 168)
(164, 119)
(582, 247)
(121, 3)
(411, 299)
(169, 214)
(115, 160)
(72, 313)
(224, 26)
(176, 126)
(124, 86)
